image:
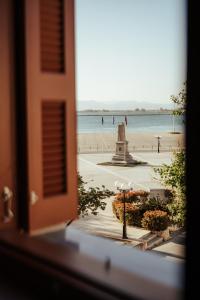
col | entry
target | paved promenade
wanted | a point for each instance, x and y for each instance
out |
(142, 176)
(105, 224)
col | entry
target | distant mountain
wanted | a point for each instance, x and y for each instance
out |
(121, 105)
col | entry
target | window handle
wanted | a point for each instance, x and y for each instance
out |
(34, 197)
(7, 196)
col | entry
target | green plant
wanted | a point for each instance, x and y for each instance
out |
(116, 205)
(133, 212)
(169, 194)
(177, 212)
(153, 204)
(156, 220)
(173, 176)
(131, 196)
(180, 101)
(91, 199)
(134, 217)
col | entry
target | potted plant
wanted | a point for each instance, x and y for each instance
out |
(156, 221)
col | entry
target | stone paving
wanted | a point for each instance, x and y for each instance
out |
(142, 176)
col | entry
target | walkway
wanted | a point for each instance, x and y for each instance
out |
(105, 224)
(141, 176)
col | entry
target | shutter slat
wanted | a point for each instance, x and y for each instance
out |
(54, 184)
(52, 59)
(48, 168)
(53, 145)
(53, 142)
(50, 20)
(52, 150)
(50, 9)
(53, 133)
(53, 51)
(52, 3)
(55, 172)
(56, 127)
(52, 67)
(55, 157)
(51, 26)
(51, 34)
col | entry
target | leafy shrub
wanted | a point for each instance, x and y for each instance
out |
(169, 194)
(142, 193)
(116, 205)
(153, 204)
(156, 220)
(177, 212)
(133, 215)
(173, 176)
(133, 212)
(131, 196)
(90, 200)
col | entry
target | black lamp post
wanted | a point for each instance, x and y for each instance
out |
(124, 235)
(124, 191)
(158, 137)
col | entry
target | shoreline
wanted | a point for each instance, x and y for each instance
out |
(123, 112)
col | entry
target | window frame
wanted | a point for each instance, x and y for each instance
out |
(11, 251)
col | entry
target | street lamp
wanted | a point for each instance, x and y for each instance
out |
(124, 191)
(158, 137)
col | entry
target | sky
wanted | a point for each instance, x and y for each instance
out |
(130, 50)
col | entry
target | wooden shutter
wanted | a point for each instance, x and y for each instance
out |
(7, 119)
(51, 123)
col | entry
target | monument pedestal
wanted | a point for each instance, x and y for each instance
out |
(122, 155)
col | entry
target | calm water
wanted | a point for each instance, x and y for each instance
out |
(140, 123)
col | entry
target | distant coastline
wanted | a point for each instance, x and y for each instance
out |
(136, 112)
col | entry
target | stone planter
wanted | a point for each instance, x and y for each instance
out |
(163, 233)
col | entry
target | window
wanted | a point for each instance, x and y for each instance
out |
(24, 84)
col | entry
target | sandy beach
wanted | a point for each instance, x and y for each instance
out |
(105, 142)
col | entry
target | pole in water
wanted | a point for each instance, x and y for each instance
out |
(173, 124)
(173, 119)
(113, 120)
(102, 121)
(126, 120)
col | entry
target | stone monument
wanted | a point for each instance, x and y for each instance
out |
(122, 156)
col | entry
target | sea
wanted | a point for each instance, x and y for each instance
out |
(135, 123)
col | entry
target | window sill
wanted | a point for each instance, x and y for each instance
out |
(87, 265)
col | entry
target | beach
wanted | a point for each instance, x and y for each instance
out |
(139, 141)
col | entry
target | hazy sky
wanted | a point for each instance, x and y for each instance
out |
(130, 49)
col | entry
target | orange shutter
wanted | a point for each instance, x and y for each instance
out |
(51, 121)
(7, 120)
